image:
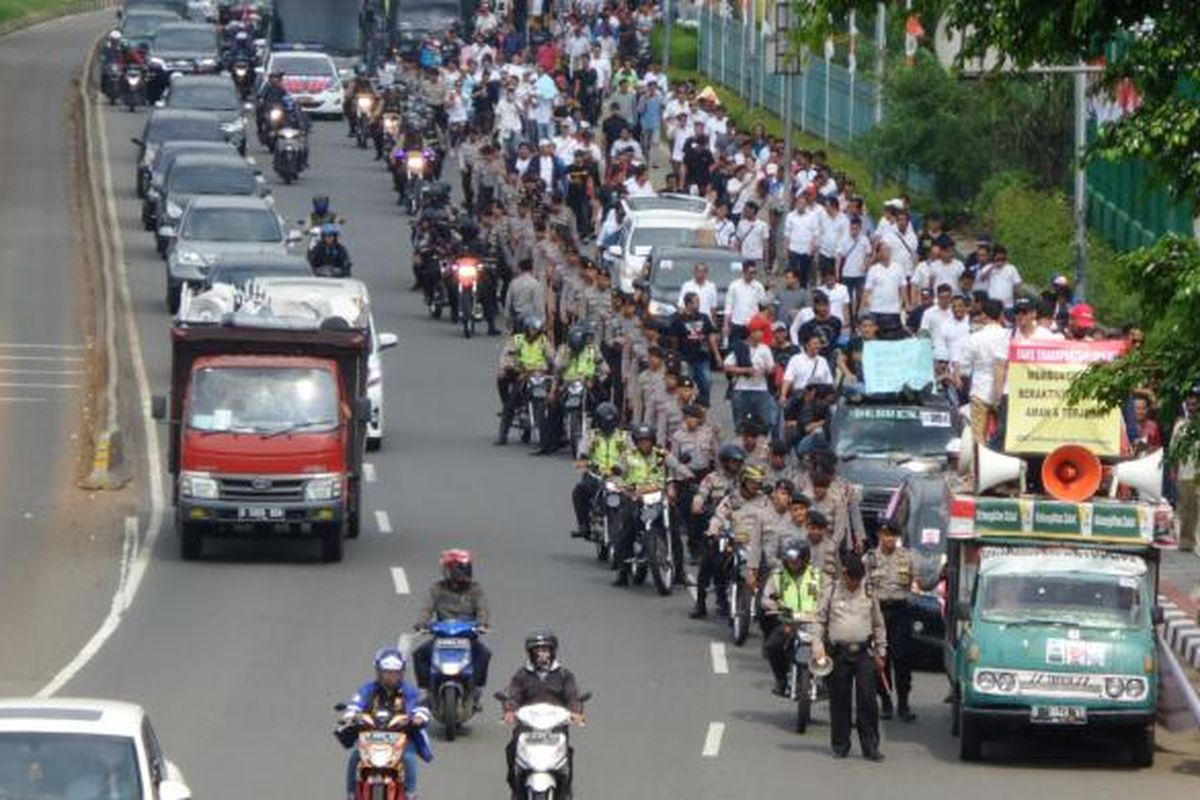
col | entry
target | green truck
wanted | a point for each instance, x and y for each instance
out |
(1051, 620)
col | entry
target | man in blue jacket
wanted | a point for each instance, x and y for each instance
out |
(388, 691)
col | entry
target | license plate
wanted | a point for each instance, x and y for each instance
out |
(260, 513)
(452, 642)
(541, 737)
(1058, 715)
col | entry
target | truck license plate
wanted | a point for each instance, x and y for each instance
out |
(260, 513)
(1058, 715)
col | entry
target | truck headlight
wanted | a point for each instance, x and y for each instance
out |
(985, 681)
(322, 488)
(198, 485)
(1114, 687)
(1006, 682)
(1135, 688)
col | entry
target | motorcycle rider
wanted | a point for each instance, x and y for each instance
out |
(457, 596)
(387, 691)
(242, 49)
(527, 351)
(272, 93)
(541, 680)
(321, 213)
(329, 258)
(643, 467)
(747, 511)
(576, 359)
(360, 84)
(713, 490)
(791, 596)
(600, 453)
(295, 117)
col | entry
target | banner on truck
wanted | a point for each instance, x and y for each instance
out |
(1039, 419)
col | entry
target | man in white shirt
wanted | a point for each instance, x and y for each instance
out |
(704, 289)
(854, 254)
(951, 338)
(839, 296)
(884, 292)
(902, 240)
(639, 185)
(1026, 327)
(987, 360)
(748, 365)
(805, 368)
(1001, 277)
(752, 234)
(944, 267)
(936, 316)
(800, 231)
(832, 227)
(741, 302)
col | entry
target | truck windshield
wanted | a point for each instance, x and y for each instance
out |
(1082, 596)
(908, 430)
(262, 400)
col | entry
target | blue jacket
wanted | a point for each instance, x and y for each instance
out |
(364, 699)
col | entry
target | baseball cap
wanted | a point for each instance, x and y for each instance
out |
(817, 520)
(1084, 316)
(1023, 304)
(1060, 281)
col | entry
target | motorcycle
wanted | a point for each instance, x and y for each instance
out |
(803, 687)
(381, 738)
(467, 271)
(605, 507)
(531, 412)
(575, 411)
(363, 105)
(289, 154)
(544, 757)
(110, 81)
(391, 131)
(451, 676)
(243, 78)
(269, 124)
(652, 549)
(417, 171)
(733, 547)
(134, 87)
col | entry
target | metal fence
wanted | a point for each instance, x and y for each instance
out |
(1128, 209)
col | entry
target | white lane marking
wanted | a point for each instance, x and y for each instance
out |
(399, 580)
(22, 399)
(692, 591)
(12, 385)
(55, 359)
(382, 522)
(720, 663)
(27, 371)
(368, 472)
(32, 346)
(125, 594)
(712, 740)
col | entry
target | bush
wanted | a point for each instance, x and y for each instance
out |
(685, 46)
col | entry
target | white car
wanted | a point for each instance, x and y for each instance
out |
(352, 293)
(83, 748)
(646, 229)
(310, 76)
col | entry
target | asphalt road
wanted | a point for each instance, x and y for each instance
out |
(240, 658)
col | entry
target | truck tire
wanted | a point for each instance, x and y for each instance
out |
(191, 540)
(331, 543)
(970, 738)
(1142, 753)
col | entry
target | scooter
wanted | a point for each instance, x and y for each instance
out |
(381, 738)
(544, 758)
(289, 154)
(133, 92)
(451, 675)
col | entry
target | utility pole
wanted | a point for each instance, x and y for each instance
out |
(880, 56)
(1080, 198)
(666, 59)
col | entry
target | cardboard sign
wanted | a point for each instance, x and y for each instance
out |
(890, 366)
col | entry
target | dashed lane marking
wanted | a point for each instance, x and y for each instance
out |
(27, 371)
(12, 385)
(33, 346)
(383, 522)
(400, 580)
(369, 472)
(712, 740)
(54, 359)
(720, 663)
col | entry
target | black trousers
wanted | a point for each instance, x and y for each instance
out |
(627, 518)
(481, 657)
(853, 681)
(777, 645)
(582, 497)
(898, 617)
(712, 573)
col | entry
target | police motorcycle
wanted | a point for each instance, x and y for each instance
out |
(272, 122)
(243, 77)
(289, 144)
(733, 548)
(381, 738)
(806, 679)
(603, 515)
(469, 272)
(133, 86)
(363, 117)
(544, 756)
(451, 674)
(651, 549)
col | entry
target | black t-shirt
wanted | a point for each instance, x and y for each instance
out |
(691, 335)
(829, 329)
(612, 127)
(698, 159)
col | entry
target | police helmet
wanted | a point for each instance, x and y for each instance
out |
(643, 432)
(607, 417)
(731, 452)
(576, 338)
(330, 229)
(795, 551)
(389, 659)
(752, 474)
(534, 324)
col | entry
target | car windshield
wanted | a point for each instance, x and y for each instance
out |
(164, 129)
(142, 26)
(307, 66)
(184, 39)
(239, 275)
(671, 273)
(34, 766)
(900, 430)
(213, 180)
(1087, 593)
(254, 400)
(672, 237)
(232, 225)
(204, 96)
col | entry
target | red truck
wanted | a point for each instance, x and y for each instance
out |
(267, 422)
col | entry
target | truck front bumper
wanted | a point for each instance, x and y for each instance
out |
(1016, 719)
(224, 517)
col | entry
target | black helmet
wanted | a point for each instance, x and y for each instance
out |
(795, 550)
(534, 324)
(644, 431)
(537, 640)
(731, 452)
(576, 338)
(607, 417)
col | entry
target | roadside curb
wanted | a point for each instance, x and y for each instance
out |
(38, 18)
(1180, 631)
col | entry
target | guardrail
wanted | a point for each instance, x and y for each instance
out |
(1179, 704)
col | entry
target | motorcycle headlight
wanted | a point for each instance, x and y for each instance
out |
(276, 114)
(451, 670)
(661, 309)
(234, 125)
(416, 163)
(198, 485)
(380, 756)
(364, 103)
(322, 488)
(174, 210)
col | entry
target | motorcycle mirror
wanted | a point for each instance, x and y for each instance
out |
(173, 790)
(138, 142)
(501, 696)
(294, 236)
(339, 707)
(160, 103)
(388, 340)
(583, 698)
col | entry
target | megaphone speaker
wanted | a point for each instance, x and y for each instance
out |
(1144, 475)
(966, 451)
(993, 469)
(1071, 473)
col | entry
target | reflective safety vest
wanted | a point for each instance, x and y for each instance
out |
(606, 452)
(584, 365)
(643, 470)
(531, 354)
(801, 597)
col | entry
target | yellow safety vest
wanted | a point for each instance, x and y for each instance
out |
(531, 355)
(584, 365)
(606, 452)
(643, 470)
(800, 596)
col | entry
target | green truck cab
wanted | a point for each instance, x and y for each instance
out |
(1052, 618)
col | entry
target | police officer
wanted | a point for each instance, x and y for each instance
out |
(746, 512)
(527, 351)
(715, 487)
(753, 432)
(790, 598)
(643, 467)
(824, 549)
(329, 258)
(851, 631)
(890, 570)
(601, 452)
(577, 359)
(781, 464)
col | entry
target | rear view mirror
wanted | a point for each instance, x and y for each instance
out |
(388, 340)
(294, 236)
(174, 790)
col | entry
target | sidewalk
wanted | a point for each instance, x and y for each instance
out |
(1179, 583)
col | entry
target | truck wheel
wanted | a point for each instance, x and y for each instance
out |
(970, 739)
(331, 543)
(191, 540)
(1143, 747)
(353, 524)
(173, 298)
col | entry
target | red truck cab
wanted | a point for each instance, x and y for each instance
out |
(268, 421)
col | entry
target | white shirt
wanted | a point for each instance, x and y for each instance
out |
(885, 282)
(830, 232)
(725, 232)
(677, 140)
(839, 300)
(945, 272)
(753, 236)
(903, 247)
(1001, 282)
(985, 347)
(803, 369)
(800, 229)
(931, 322)
(855, 252)
(761, 360)
(707, 292)
(741, 301)
(635, 189)
(622, 145)
(952, 337)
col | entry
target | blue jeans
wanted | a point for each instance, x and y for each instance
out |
(761, 404)
(410, 770)
(816, 440)
(702, 375)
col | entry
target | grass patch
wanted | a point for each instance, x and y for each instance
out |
(14, 13)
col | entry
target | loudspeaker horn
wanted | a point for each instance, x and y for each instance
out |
(1144, 475)
(1071, 473)
(993, 469)
(820, 667)
(966, 451)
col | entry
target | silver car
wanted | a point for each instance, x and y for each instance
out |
(198, 174)
(218, 226)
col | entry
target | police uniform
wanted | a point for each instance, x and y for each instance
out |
(521, 355)
(649, 388)
(756, 518)
(759, 455)
(788, 600)
(824, 555)
(891, 576)
(639, 471)
(604, 453)
(851, 626)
